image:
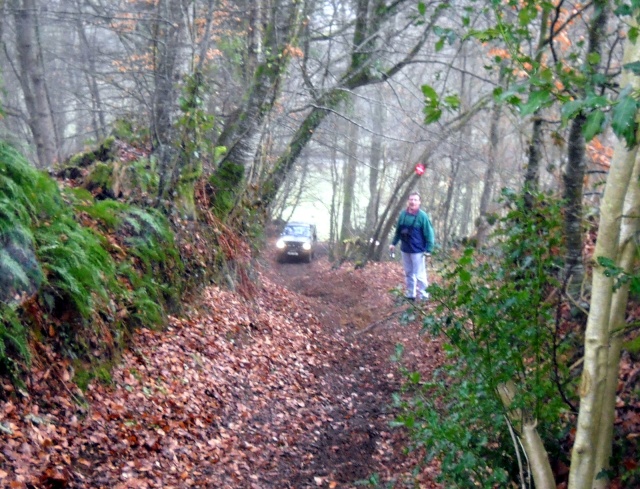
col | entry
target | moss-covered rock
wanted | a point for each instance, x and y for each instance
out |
(72, 168)
(99, 180)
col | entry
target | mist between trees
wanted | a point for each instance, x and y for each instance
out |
(283, 104)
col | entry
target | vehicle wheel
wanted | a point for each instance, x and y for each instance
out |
(309, 257)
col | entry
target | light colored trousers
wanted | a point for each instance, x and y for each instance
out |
(415, 271)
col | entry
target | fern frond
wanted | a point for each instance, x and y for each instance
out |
(10, 267)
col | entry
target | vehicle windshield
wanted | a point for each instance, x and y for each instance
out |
(297, 231)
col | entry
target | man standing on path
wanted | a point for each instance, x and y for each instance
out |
(416, 233)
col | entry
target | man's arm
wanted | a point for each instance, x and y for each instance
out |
(429, 235)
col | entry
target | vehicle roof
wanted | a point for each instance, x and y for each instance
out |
(298, 223)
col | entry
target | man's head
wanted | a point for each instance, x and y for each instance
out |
(414, 201)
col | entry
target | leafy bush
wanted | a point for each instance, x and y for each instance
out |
(496, 312)
(89, 268)
(150, 276)
(20, 273)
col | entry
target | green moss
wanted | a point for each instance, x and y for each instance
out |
(143, 176)
(633, 346)
(123, 129)
(85, 374)
(101, 153)
(225, 183)
(78, 196)
(126, 130)
(121, 271)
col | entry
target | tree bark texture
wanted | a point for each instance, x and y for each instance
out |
(597, 334)
(576, 160)
(489, 176)
(242, 134)
(617, 322)
(32, 82)
(573, 182)
(349, 186)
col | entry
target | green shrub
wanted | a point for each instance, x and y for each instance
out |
(120, 269)
(20, 273)
(151, 276)
(497, 314)
(77, 266)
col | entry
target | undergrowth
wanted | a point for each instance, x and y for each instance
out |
(76, 272)
(496, 312)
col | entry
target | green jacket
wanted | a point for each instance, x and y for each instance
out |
(415, 232)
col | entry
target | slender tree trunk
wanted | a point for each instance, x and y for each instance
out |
(617, 323)
(573, 182)
(97, 114)
(576, 163)
(334, 209)
(168, 32)
(489, 176)
(33, 82)
(348, 188)
(532, 173)
(446, 206)
(242, 134)
(597, 334)
(375, 161)
(166, 37)
(466, 216)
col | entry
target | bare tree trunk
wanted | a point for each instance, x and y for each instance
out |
(33, 82)
(242, 133)
(358, 74)
(446, 205)
(617, 323)
(576, 164)
(348, 188)
(97, 113)
(375, 161)
(598, 330)
(489, 176)
(532, 173)
(167, 32)
(573, 182)
(466, 225)
(335, 205)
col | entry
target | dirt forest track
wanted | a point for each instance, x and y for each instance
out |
(284, 391)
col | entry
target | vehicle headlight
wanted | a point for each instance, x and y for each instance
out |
(280, 244)
(306, 246)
